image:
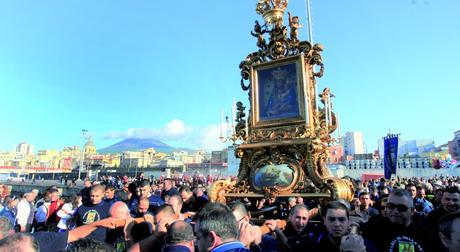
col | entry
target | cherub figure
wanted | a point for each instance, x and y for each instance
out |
(294, 25)
(259, 34)
(326, 95)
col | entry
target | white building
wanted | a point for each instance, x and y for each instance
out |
(25, 149)
(378, 164)
(353, 143)
(187, 158)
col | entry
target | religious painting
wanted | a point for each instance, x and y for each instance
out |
(272, 175)
(278, 92)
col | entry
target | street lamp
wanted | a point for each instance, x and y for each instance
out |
(83, 133)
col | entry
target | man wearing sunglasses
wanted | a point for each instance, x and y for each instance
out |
(398, 232)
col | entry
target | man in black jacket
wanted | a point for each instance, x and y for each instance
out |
(337, 237)
(450, 203)
(398, 232)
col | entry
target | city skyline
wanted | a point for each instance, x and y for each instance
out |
(165, 70)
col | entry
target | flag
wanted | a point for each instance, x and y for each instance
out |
(390, 155)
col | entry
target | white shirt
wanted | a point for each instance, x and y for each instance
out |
(65, 213)
(23, 212)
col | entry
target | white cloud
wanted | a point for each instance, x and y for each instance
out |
(173, 130)
(176, 129)
(208, 138)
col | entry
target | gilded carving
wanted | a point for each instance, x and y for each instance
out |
(283, 156)
(278, 133)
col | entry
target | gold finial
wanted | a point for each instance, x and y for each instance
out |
(272, 10)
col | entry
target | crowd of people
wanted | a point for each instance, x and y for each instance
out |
(146, 214)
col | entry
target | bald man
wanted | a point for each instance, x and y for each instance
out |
(179, 237)
(120, 237)
(142, 208)
(176, 202)
(164, 217)
(19, 242)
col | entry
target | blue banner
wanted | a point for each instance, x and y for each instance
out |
(390, 155)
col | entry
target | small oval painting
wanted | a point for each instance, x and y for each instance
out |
(273, 175)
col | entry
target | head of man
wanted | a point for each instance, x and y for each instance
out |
(119, 210)
(214, 224)
(365, 199)
(199, 192)
(164, 212)
(109, 192)
(355, 203)
(400, 207)
(36, 191)
(6, 228)
(239, 211)
(145, 188)
(143, 205)
(299, 217)
(438, 195)
(19, 242)
(30, 196)
(385, 191)
(180, 233)
(336, 219)
(96, 194)
(11, 203)
(176, 202)
(54, 195)
(449, 231)
(421, 192)
(383, 207)
(450, 200)
(186, 193)
(292, 202)
(89, 245)
(271, 200)
(167, 184)
(299, 200)
(391, 183)
(87, 183)
(412, 189)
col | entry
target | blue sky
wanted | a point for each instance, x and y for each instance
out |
(165, 69)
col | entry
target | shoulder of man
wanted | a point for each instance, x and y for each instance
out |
(51, 241)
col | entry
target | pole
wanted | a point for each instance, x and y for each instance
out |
(329, 111)
(310, 30)
(83, 132)
(326, 110)
(233, 117)
(210, 166)
(222, 124)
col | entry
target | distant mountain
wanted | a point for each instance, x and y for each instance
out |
(137, 144)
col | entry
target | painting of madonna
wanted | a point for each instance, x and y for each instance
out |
(278, 93)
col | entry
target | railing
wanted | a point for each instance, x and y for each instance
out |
(34, 169)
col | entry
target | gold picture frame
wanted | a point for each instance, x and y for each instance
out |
(279, 93)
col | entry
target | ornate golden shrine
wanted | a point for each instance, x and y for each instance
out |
(285, 140)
